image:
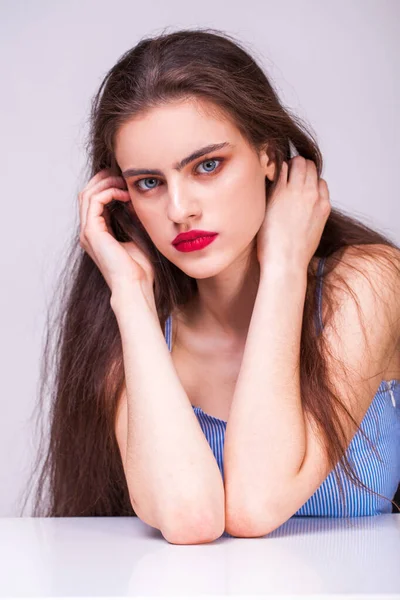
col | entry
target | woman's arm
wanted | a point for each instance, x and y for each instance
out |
(265, 438)
(171, 471)
(273, 459)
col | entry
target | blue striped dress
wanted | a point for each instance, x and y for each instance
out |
(381, 424)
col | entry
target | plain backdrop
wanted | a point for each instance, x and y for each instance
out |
(335, 63)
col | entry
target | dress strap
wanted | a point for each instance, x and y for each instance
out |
(168, 331)
(319, 325)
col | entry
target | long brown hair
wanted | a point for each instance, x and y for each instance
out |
(80, 473)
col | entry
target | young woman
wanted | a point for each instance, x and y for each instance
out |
(227, 349)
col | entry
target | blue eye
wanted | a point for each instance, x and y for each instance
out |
(209, 160)
(136, 184)
(154, 179)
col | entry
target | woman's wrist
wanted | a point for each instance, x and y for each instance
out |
(129, 296)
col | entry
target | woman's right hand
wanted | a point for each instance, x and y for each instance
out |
(119, 262)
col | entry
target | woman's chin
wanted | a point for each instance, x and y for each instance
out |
(203, 269)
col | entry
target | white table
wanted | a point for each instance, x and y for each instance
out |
(116, 557)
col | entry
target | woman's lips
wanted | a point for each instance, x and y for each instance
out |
(192, 234)
(196, 244)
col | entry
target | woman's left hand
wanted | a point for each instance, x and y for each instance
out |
(295, 216)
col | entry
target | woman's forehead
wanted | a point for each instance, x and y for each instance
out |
(169, 137)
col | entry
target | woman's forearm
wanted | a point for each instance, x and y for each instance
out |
(265, 439)
(169, 462)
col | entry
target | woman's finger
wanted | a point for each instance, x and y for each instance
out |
(102, 184)
(95, 217)
(298, 171)
(96, 178)
(311, 179)
(82, 198)
(324, 192)
(283, 175)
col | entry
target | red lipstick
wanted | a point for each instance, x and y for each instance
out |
(195, 239)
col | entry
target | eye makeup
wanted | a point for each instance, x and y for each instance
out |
(218, 159)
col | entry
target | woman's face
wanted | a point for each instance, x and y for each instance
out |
(221, 191)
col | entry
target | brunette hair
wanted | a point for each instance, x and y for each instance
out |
(82, 372)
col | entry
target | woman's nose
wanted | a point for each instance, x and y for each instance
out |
(181, 204)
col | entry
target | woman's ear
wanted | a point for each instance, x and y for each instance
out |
(267, 162)
(270, 172)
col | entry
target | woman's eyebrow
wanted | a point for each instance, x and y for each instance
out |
(178, 166)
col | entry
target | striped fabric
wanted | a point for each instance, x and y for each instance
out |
(381, 424)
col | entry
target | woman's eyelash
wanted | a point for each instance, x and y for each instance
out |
(220, 160)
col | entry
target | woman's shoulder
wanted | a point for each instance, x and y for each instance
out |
(363, 291)
(361, 284)
(369, 270)
(380, 258)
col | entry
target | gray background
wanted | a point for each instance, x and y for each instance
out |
(335, 63)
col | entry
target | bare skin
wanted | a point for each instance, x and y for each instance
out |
(209, 336)
(229, 200)
(208, 363)
(208, 367)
